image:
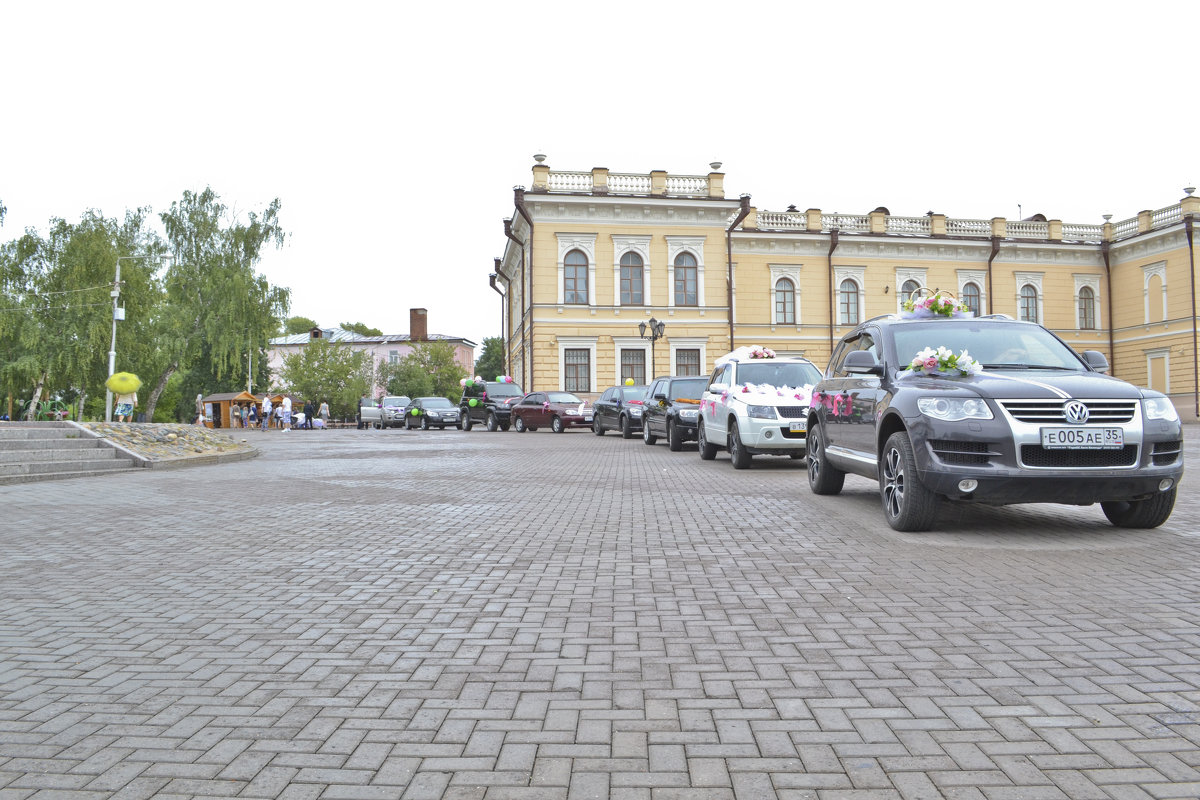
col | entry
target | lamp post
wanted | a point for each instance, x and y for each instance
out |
(655, 329)
(118, 314)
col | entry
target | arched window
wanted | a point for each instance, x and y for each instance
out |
(848, 303)
(1087, 308)
(1028, 310)
(785, 301)
(970, 296)
(686, 293)
(631, 280)
(575, 278)
(906, 291)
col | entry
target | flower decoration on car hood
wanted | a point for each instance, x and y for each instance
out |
(942, 360)
(938, 304)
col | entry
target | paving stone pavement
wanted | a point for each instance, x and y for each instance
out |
(479, 616)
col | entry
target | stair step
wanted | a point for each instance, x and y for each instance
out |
(75, 465)
(6, 480)
(8, 445)
(56, 454)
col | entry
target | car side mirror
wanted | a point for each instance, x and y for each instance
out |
(717, 387)
(1096, 360)
(862, 362)
(660, 397)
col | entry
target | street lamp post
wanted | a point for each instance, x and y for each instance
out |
(118, 314)
(655, 329)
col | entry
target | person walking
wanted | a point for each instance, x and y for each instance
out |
(126, 403)
(287, 413)
(362, 401)
(266, 420)
(253, 418)
(308, 414)
(323, 413)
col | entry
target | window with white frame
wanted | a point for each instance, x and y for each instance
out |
(686, 284)
(1028, 305)
(1087, 308)
(848, 313)
(1154, 287)
(687, 361)
(632, 279)
(577, 370)
(575, 278)
(393, 356)
(971, 297)
(633, 365)
(785, 301)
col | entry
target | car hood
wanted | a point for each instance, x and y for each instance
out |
(1025, 384)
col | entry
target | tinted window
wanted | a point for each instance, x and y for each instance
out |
(633, 392)
(775, 373)
(563, 397)
(1016, 345)
(436, 402)
(503, 390)
(687, 390)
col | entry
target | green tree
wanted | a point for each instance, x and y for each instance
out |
(215, 299)
(360, 328)
(491, 360)
(295, 325)
(331, 371)
(428, 371)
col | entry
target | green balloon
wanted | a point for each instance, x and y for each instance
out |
(472, 402)
(416, 412)
(470, 383)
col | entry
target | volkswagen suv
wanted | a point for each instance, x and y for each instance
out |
(989, 410)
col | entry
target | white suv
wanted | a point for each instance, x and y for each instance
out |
(756, 403)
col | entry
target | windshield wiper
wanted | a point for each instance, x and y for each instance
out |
(1026, 366)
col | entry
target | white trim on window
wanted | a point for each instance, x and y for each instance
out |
(903, 275)
(857, 275)
(689, 343)
(586, 244)
(792, 273)
(631, 244)
(979, 278)
(576, 343)
(1148, 272)
(631, 343)
(1091, 281)
(685, 244)
(1033, 279)
(1165, 354)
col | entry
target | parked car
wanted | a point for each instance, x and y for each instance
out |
(756, 403)
(619, 408)
(1019, 418)
(559, 410)
(390, 411)
(431, 412)
(671, 409)
(493, 404)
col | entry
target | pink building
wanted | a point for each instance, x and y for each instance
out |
(383, 349)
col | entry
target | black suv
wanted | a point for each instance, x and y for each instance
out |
(619, 409)
(489, 402)
(1030, 421)
(672, 407)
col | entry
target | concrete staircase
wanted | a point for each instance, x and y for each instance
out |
(43, 451)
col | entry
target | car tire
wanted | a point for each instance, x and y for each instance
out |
(424, 423)
(626, 428)
(738, 454)
(707, 451)
(1148, 513)
(519, 424)
(647, 436)
(556, 425)
(466, 424)
(503, 426)
(823, 477)
(492, 423)
(674, 443)
(377, 426)
(597, 426)
(907, 504)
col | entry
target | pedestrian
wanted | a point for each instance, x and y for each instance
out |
(245, 414)
(200, 409)
(286, 415)
(323, 413)
(362, 401)
(253, 416)
(266, 414)
(126, 403)
(308, 414)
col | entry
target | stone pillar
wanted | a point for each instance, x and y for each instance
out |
(1110, 231)
(999, 227)
(599, 180)
(877, 222)
(814, 219)
(1189, 205)
(541, 177)
(937, 224)
(716, 184)
(658, 182)
(1145, 221)
(1054, 230)
(751, 220)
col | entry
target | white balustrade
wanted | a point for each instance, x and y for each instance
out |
(687, 185)
(1024, 229)
(782, 220)
(627, 183)
(1072, 232)
(1166, 216)
(1126, 227)
(968, 227)
(569, 182)
(916, 225)
(845, 222)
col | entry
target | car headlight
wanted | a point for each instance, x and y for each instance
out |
(954, 409)
(688, 413)
(635, 412)
(761, 412)
(1159, 408)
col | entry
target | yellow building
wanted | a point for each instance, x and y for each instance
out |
(589, 256)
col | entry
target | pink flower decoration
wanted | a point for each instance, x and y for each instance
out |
(931, 362)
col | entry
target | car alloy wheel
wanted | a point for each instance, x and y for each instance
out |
(556, 425)
(737, 451)
(597, 427)
(707, 451)
(673, 442)
(466, 423)
(519, 424)
(647, 436)
(626, 428)
(1148, 513)
(424, 423)
(492, 422)
(823, 477)
(907, 504)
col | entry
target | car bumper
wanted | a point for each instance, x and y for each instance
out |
(442, 420)
(685, 428)
(772, 436)
(576, 421)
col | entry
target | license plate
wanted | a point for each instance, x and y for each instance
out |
(587, 417)
(1083, 438)
(797, 426)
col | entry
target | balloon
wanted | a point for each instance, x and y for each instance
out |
(479, 379)
(499, 379)
(462, 381)
(469, 382)
(472, 402)
(416, 412)
(629, 381)
(123, 383)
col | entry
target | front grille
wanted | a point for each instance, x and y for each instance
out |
(792, 412)
(1034, 455)
(962, 453)
(788, 433)
(1166, 453)
(1039, 412)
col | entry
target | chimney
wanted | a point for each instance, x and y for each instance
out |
(418, 325)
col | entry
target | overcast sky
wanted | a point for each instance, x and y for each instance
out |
(393, 133)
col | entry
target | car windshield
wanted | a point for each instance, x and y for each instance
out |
(776, 373)
(436, 402)
(633, 392)
(994, 345)
(396, 402)
(563, 397)
(687, 390)
(504, 390)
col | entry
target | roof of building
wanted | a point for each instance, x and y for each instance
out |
(343, 335)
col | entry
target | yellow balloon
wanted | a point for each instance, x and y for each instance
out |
(629, 381)
(123, 382)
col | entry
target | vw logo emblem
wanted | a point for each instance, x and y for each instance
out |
(1076, 412)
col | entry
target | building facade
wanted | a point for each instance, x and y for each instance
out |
(590, 255)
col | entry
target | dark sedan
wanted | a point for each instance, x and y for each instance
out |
(619, 409)
(671, 409)
(559, 410)
(431, 412)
